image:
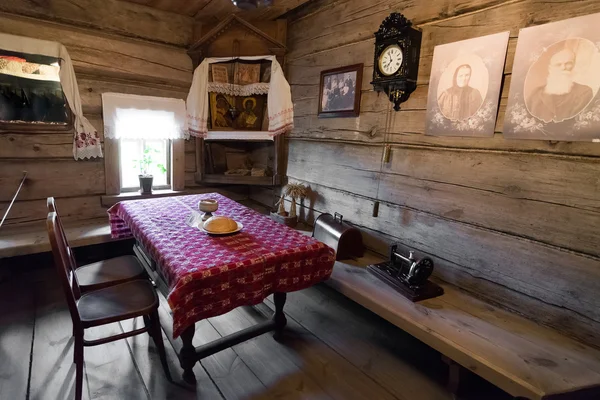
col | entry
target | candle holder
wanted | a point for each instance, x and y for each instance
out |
(208, 206)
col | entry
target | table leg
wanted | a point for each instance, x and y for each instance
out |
(187, 355)
(279, 317)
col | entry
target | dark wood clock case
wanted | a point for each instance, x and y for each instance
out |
(396, 29)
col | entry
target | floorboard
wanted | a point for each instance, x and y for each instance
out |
(317, 362)
(16, 332)
(231, 376)
(377, 348)
(333, 349)
(269, 360)
(52, 367)
(110, 369)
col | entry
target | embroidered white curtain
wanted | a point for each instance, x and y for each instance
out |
(143, 117)
(86, 141)
(279, 102)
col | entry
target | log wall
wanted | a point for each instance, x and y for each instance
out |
(115, 47)
(515, 222)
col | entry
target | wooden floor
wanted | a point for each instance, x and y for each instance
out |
(334, 349)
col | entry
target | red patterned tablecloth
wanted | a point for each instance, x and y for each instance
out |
(211, 275)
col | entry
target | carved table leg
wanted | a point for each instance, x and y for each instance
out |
(279, 317)
(187, 355)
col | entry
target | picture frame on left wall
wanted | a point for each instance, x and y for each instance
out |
(340, 92)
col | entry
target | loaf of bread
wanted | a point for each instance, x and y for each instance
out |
(220, 225)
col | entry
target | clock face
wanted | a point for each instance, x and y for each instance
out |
(390, 60)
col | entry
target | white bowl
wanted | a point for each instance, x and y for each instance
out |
(208, 205)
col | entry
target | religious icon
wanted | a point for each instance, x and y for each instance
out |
(555, 82)
(220, 116)
(251, 112)
(464, 87)
(246, 74)
(220, 73)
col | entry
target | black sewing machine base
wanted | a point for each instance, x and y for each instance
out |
(414, 293)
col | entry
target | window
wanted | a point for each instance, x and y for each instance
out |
(133, 152)
(143, 136)
(30, 90)
(143, 150)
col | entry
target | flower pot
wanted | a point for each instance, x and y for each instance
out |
(146, 183)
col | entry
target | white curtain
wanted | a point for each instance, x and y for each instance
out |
(279, 103)
(147, 117)
(86, 141)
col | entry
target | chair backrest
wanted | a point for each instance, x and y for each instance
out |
(51, 205)
(63, 260)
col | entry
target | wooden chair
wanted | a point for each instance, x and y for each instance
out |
(104, 273)
(104, 306)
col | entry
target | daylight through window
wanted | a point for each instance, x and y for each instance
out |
(144, 151)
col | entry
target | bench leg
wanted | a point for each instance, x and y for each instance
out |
(454, 375)
(187, 355)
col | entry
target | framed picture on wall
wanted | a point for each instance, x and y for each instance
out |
(251, 112)
(246, 74)
(220, 73)
(464, 88)
(220, 117)
(555, 82)
(339, 92)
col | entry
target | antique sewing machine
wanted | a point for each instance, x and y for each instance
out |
(408, 275)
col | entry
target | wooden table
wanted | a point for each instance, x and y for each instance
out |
(204, 276)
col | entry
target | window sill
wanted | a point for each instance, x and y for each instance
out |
(110, 200)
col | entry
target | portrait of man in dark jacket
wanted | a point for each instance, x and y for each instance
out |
(561, 97)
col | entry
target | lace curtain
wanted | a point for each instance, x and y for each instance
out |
(147, 117)
(239, 90)
(86, 141)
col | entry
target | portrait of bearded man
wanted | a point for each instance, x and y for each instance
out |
(460, 101)
(561, 97)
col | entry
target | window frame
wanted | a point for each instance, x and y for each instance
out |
(112, 173)
(168, 165)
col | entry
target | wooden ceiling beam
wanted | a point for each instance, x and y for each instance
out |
(217, 10)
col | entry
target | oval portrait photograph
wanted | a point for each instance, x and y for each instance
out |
(563, 80)
(462, 88)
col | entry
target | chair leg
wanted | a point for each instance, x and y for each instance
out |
(78, 359)
(148, 324)
(156, 335)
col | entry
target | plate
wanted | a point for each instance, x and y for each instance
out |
(239, 228)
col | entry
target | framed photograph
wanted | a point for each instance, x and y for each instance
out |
(554, 87)
(251, 110)
(339, 92)
(220, 118)
(246, 74)
(220, 73)
(464, 87)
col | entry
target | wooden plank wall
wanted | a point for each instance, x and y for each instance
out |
(515, 222)
(115, 46)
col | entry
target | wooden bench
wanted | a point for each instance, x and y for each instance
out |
(23, 241)
(523, 358)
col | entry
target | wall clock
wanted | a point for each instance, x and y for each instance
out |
(396, 66)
